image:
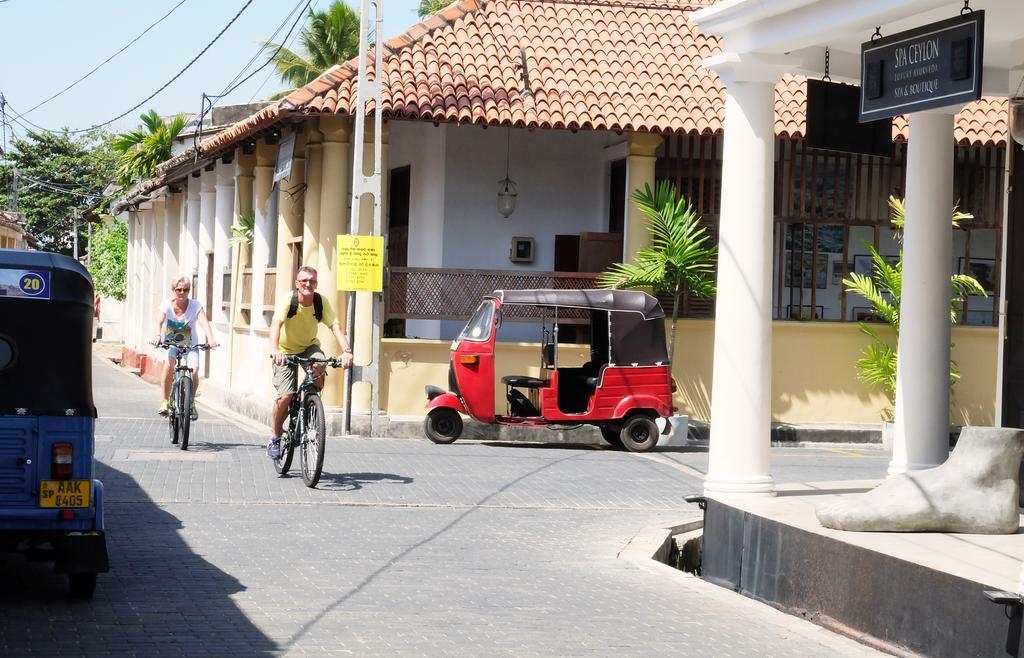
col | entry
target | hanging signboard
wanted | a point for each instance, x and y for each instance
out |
(285, 153)
(934, 65)
(361, 262)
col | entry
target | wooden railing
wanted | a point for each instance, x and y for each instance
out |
(225, 288)
(269, 281)
(247, 288)
(420, 293)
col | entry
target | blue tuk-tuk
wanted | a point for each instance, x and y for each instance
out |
(51, 507)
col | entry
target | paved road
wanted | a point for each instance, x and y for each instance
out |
(406, 548)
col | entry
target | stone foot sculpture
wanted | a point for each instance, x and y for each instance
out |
(975, 491)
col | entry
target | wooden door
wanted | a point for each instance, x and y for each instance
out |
(1013, 348)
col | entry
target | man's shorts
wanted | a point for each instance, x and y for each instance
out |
(192, 358)
(286, 379)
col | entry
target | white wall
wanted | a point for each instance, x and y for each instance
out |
(453, 217)
(421, 146)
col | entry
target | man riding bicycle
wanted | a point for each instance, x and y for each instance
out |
(176, 320)
(293, 332)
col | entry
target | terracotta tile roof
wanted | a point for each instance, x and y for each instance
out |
(979, 123)
(614, 66)
(590, 65)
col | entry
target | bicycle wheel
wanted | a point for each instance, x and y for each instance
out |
(172, 415)
(284, 460)
(313, 438)
(184, 410)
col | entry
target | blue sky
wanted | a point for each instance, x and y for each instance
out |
(49, 44)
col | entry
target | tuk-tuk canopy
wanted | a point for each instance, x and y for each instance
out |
(46, 316)
(627, 326)
(599, 299)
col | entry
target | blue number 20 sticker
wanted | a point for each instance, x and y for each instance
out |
(35, 284)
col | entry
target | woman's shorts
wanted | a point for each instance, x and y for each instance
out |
(192, 359)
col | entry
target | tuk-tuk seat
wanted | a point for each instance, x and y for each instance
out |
(522, 381)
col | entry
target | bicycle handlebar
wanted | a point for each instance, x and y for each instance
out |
(168, 344)
(296, 360)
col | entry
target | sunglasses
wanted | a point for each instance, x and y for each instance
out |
(181, 289)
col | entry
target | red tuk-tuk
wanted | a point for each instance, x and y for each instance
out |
(624, 387)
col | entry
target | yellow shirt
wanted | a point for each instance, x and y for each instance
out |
(299, 331)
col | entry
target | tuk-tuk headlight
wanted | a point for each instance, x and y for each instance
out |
(6, 352)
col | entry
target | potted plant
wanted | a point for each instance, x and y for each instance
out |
(877, 364)
(679, 259)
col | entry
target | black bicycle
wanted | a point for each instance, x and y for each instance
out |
(179, 410)
(306, 427)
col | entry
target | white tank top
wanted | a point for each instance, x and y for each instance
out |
(183, 325)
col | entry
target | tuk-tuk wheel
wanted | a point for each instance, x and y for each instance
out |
(443, 425)
(639, 433)
(82, 584)
(611, 434)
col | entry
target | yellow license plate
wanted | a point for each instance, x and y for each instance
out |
(64, 493)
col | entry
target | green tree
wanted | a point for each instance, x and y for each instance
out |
(141, 150)
(431, 7)
(108, 259)
(59, 176)
(679, 258)
(331, 37)
(877, 363)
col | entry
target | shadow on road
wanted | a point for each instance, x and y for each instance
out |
(158, 597)
(355, 481)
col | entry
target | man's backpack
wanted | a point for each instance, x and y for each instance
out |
(318, 306)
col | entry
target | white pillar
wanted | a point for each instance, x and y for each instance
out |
(207, 213)
(921, 438)
(172, 236)
(741, 386)
(150, 295)
(224, 210)
(263, 230)
(132, 335)
(161, 275)
(190, 242)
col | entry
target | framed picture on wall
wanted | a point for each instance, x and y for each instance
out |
(982, 269)
(864, 263)
(979, 317)
(864, 314)
(804, 312)
(837, 271)
(806, 272)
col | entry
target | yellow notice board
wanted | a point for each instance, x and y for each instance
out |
(361, 263)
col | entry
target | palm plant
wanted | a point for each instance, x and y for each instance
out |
(877, 363)
(242, 232)
(430, 7)
(679, 260)
(141, 150)
(331, 37)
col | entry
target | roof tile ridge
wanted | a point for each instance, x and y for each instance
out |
(442, 19)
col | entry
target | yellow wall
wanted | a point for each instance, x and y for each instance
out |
(814, 379)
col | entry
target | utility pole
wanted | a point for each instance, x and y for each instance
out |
(368, 90)
(74, 215)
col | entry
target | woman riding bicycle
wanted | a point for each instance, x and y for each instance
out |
(293, 332)
(176, 320)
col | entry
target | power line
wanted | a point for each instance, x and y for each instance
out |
(231, 86)
(150, 97)
(57, 187)
(202, 113)
(101, 64)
